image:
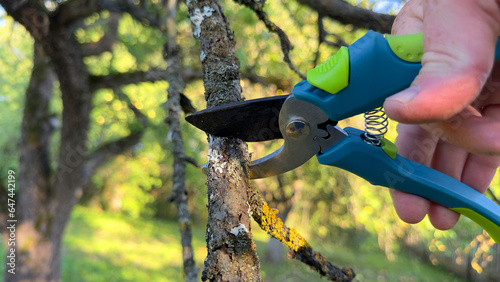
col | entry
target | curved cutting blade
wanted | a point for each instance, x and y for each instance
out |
(298, 123)
(250, 121)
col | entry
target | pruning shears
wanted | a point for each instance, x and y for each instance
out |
(357, 79)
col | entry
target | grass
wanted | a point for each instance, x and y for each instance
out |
(112, 247)
(100, 246)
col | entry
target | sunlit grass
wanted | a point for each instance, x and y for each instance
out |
(110, 247)
(101, 246)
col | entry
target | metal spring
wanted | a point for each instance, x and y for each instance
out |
(376, 123)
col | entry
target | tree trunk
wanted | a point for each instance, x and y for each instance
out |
(231, 250)
(46, 199)
(34, 247)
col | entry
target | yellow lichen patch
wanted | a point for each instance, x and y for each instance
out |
(296, 240)
(349, 272)
(274, 227)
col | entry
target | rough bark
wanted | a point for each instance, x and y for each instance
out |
(231, 250)
(175, 89)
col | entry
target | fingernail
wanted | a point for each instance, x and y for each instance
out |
(405, 96)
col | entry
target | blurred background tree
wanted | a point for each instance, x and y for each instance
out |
(83, 92)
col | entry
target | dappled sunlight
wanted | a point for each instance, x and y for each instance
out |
(102, 246)
(118, 244)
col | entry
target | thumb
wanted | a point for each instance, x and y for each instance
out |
(459, 38)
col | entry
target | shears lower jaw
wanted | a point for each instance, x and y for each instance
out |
(306, 131)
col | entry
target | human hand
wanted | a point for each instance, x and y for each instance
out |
(450, 116)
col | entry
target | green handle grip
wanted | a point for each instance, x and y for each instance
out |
(408, 47)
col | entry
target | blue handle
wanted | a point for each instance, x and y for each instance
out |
(370, 162)
(375, 73)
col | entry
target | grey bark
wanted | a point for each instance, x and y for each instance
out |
(231, 250)
(175, 89)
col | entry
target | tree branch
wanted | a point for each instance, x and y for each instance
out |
(105, 152)
(71, 11)
(143, 119)
(279, 82)
(106, 43)
(138, 12)
(189, 75)
(493, 196)
(299, 248)
(286, 45)
(346, 13)
(177, 103)
(30, 15)
(322, 34)
(117, 80)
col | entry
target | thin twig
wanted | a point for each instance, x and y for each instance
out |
(286, 45)
(299, 248)
(110, 37)
(143, 119)
(493, 196)
(175, 101)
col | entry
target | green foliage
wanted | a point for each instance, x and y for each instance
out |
(16, 49)
(125, 184)
(143, 43)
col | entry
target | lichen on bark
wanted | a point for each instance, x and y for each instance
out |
(300, 250)
(231, 255)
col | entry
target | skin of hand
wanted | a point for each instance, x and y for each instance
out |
(450, 115)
